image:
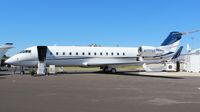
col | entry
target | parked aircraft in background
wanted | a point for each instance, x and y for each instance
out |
(195, 51)
(107, 58)
(4, 48)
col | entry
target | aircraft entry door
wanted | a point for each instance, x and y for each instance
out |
(42, 52)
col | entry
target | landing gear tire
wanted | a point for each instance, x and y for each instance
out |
(113, 70)
(105, 69)
(109, 70)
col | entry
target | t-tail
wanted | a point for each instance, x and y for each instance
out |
(167, 48)
(171, 43)
(4, 48)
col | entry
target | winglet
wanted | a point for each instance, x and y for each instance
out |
(178, 53)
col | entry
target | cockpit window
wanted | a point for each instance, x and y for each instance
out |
(26, 51)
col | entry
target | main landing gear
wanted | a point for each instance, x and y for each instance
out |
(109, 70)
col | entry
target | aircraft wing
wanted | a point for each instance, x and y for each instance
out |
(139, 63)
(111, 63)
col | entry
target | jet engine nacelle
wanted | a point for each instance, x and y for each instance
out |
(149, 51)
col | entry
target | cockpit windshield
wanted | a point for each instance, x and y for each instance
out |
(25, 51)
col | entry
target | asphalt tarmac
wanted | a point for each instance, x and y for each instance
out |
(98, 92)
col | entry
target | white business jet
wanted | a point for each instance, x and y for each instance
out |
(107, 58)
(4, 48)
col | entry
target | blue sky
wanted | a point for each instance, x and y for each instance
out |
(106, 22)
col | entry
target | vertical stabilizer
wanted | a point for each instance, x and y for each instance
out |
(171, 43)
(4, 48)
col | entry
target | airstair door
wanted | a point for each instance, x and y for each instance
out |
(42, 52)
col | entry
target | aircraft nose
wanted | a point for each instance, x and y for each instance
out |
(10, 61)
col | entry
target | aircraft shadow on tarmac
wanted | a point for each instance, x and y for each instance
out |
(127, 73)
(136, 74)
(2, 76)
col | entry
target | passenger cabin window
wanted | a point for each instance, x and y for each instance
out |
(95, 53)
(56, 53)
(51, 53)
(76, 53)
(101, 53)
(63, 53)
(118, 54)
(83, 53)
(124, 54)
(107, 53)
(89, 53)
(112, 53)
(70, 53)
